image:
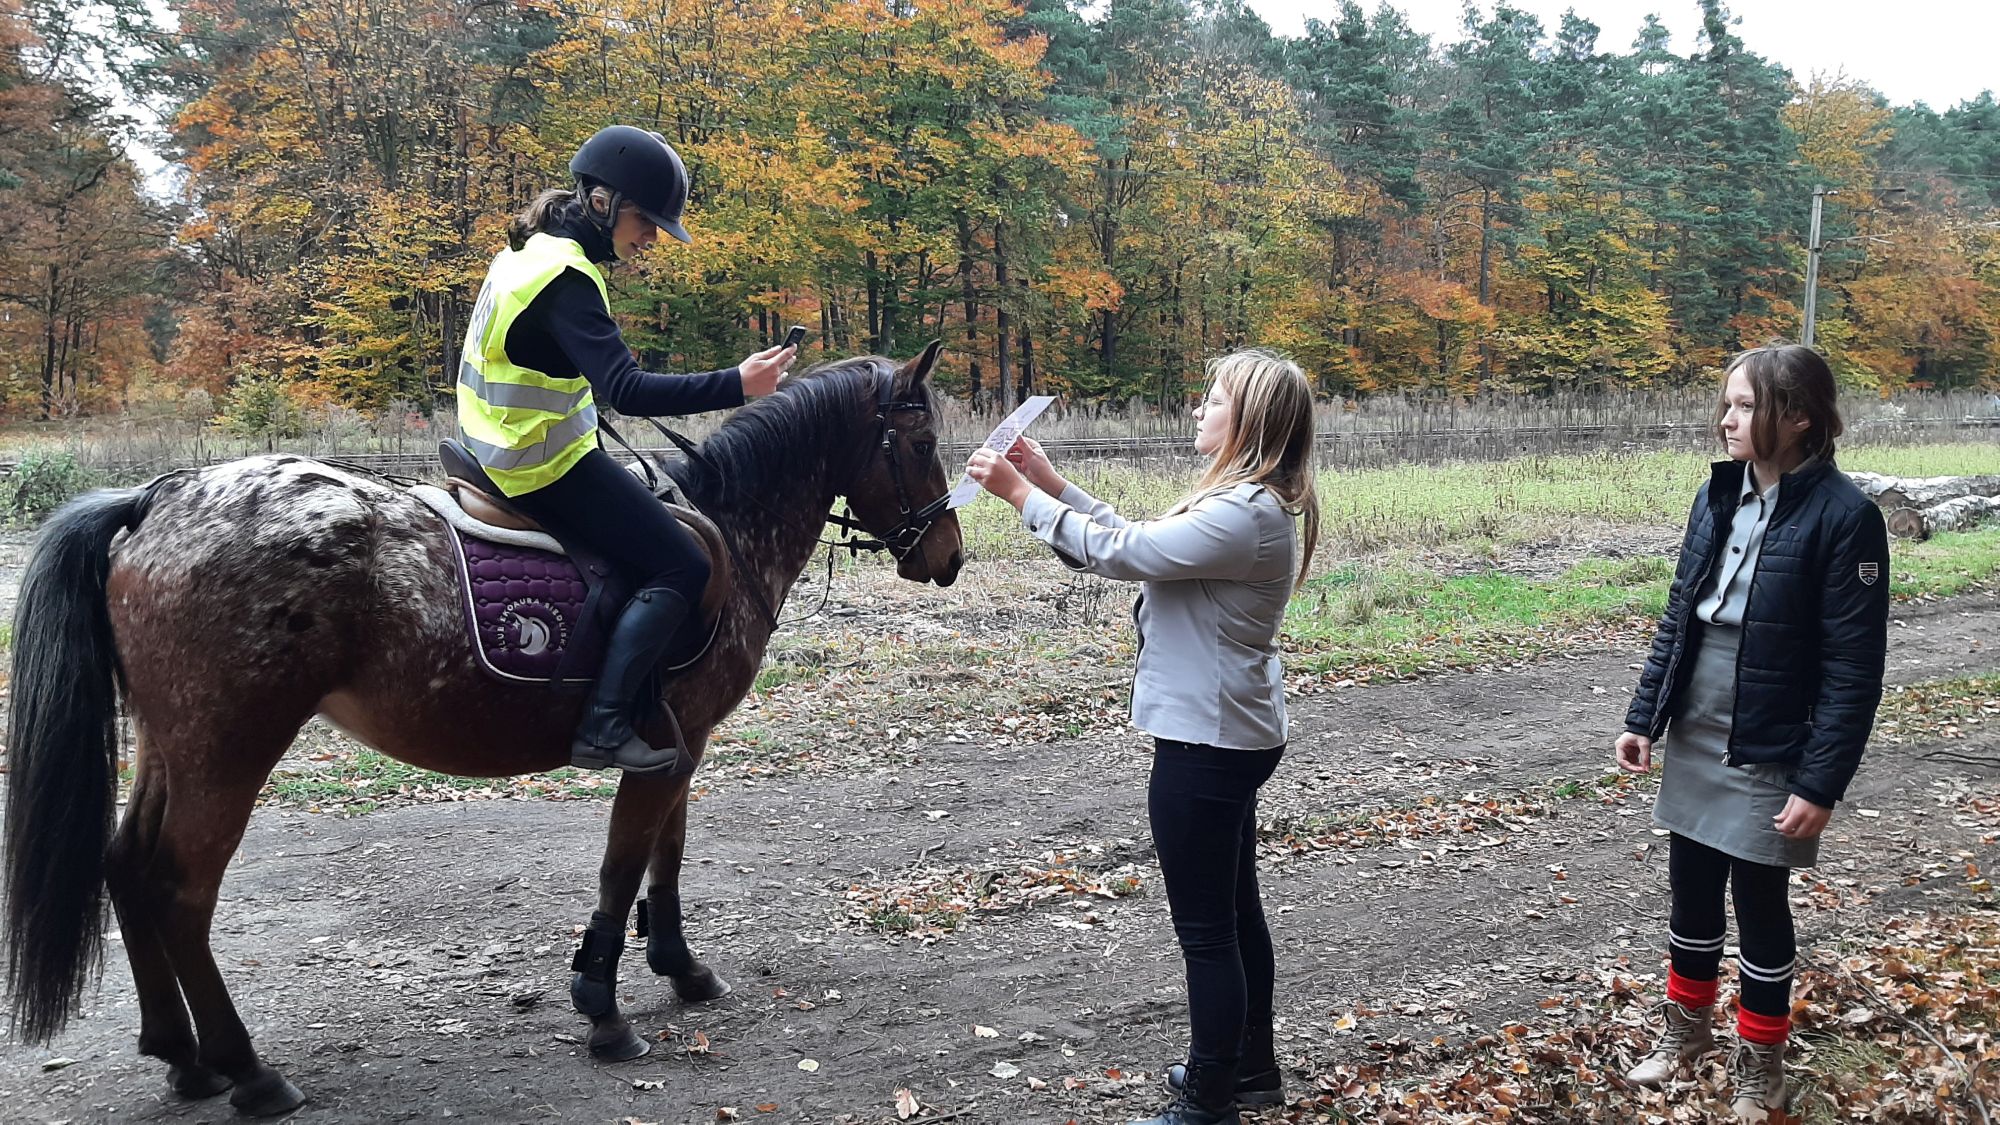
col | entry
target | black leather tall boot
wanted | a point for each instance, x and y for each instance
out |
(605, 736)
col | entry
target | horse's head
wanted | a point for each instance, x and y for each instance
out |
(898, 495)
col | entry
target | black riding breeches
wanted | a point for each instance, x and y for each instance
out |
(598, 505)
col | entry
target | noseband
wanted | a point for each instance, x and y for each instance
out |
(903, 538)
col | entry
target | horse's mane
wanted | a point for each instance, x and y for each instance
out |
(778, 437)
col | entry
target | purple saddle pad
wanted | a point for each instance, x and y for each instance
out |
(526, 610)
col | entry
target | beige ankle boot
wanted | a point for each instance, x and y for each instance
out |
(1757, 1071)
(1687, 1036)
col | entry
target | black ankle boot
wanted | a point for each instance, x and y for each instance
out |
(605, 737)
(1259, 1082)
(1204, 1096)
(1261, 1087)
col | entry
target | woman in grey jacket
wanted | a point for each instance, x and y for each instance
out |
(1218, 570)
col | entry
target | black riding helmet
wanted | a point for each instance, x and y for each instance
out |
(642, 168)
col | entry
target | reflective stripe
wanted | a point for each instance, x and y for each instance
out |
(557, 438)
(518, 396)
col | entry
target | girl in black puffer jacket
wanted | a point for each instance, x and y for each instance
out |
(1764, 675)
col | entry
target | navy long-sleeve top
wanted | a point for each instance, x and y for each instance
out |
(566, 331)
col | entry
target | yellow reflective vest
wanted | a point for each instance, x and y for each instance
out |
(526, 427)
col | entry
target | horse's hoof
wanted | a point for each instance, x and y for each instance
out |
(620, 1044)
(267, 1095)
(196, 1082)
(700, 986)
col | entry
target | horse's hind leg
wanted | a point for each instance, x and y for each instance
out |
(204, 821)
(667, 949)
(139, 896)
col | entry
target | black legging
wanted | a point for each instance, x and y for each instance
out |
(601, 506)
(1764, 931)
(1202, 802)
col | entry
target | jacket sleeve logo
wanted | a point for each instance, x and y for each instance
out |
(1870, 572)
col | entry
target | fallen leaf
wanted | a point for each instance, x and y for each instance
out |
(1004, 1070)
(649, 1083)
(808, 1065)
(984, 1032)
(58, 1063)
(907, 1105)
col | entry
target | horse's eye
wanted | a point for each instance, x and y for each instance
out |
(923, 448)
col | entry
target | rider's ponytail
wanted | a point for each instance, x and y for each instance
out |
(539, 215)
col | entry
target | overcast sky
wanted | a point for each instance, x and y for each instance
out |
(1936, 51)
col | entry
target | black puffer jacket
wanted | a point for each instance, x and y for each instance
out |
(1809, 667)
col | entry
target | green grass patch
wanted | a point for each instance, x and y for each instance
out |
(1511, 501)
(1949, 563)
(1406, 621)
(357, 782)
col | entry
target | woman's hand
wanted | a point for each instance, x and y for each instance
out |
(1635, 752)
(997, 475)
(763, 371)
(1801, 819)
(1027, 456)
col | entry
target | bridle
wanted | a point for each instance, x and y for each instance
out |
(911, 524)
(899, 540)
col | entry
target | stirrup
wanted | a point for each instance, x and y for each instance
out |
(630, 757)
(634, 754)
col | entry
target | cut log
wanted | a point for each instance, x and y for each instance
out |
(1950, 515)
(1907, 523)
(1922, 492)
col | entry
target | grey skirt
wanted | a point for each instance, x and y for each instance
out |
(1729, 808)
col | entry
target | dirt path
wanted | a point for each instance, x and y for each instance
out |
(412, 964)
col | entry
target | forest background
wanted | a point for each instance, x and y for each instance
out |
(1086, 200)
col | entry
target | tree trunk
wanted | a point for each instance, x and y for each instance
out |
(874, 304)
(1027, 354)
(971, 295)
(1003, 381)
(49, 344)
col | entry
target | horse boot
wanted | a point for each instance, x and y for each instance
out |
(645, 629)
(1206, 1096)
(1259, 1082)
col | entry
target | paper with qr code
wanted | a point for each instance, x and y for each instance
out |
(1000, 441)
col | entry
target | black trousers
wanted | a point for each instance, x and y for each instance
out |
(1766, 941)
(1202, 802)
(601, 506)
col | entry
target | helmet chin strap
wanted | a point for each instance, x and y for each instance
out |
(604, 224)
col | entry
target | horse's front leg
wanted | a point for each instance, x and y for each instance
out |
(636, 815)
(667, 949)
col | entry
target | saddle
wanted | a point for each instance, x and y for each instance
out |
(541, 610)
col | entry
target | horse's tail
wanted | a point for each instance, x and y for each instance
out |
(62, 739)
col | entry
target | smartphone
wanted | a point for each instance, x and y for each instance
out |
(795, 337)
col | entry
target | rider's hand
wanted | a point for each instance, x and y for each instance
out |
(763, 371)
(996, 475)
(1026, 455)
(1635, 752)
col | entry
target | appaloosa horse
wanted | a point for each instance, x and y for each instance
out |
(229, 605)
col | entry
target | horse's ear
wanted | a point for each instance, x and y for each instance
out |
(917, 372)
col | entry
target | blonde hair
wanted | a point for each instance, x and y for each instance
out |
(1269, 441)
